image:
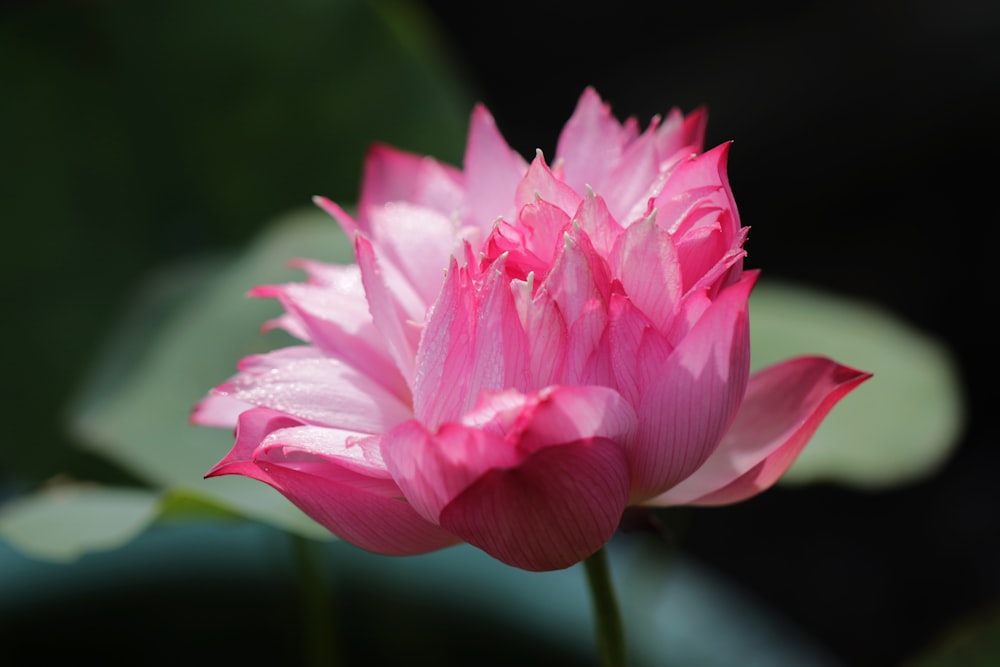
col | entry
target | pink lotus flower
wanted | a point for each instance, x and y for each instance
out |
(524, 350)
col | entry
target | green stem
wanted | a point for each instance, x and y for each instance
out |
(607, 618)
(318, 627)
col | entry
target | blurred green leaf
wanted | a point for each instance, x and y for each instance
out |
(64, 522)
(897, 427)
(137, 413)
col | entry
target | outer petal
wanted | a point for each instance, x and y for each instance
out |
(538, 481)
(783, 407)
(336, 477)
(557, 508)
(302, 382)
(393, 175)
(335, 318)
(688, 399)
(216, 410)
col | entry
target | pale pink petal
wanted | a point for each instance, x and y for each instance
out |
(338, 323)
(492, 172)
(219, 411)
(418, 240)
(783, 406)
(335, 477)
(689, 398)
(590, 144)
(389, 315)
(630, 186)
(305, 384)
(392, 175)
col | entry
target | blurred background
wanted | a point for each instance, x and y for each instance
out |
(135, 136)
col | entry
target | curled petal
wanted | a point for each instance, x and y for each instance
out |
(334, 476)
(783, 406)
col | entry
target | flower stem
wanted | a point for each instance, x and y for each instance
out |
(318, 628)
(607, 618)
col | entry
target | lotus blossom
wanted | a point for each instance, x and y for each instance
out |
(523, 350)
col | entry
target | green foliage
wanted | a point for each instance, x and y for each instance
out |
(897, 427)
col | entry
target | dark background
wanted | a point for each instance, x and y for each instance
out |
(863, 160)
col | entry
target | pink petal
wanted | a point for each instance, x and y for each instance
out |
(540, 183)
(594, 218)
(590, 143)
(784, 405)
(346, 222)
(555, 509)
(492, 172)
(389, 312)
(392, 175)
(445, 351)
(336, 477)
(304, 383)
(545, 328)
(634, 179)
(335, 318)
(535, 480)
(578, 278)
(688, 397)
(418, 240)
(681, 133)
(646, 263)
(500, 345)
(219, 411)
(697, 181)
